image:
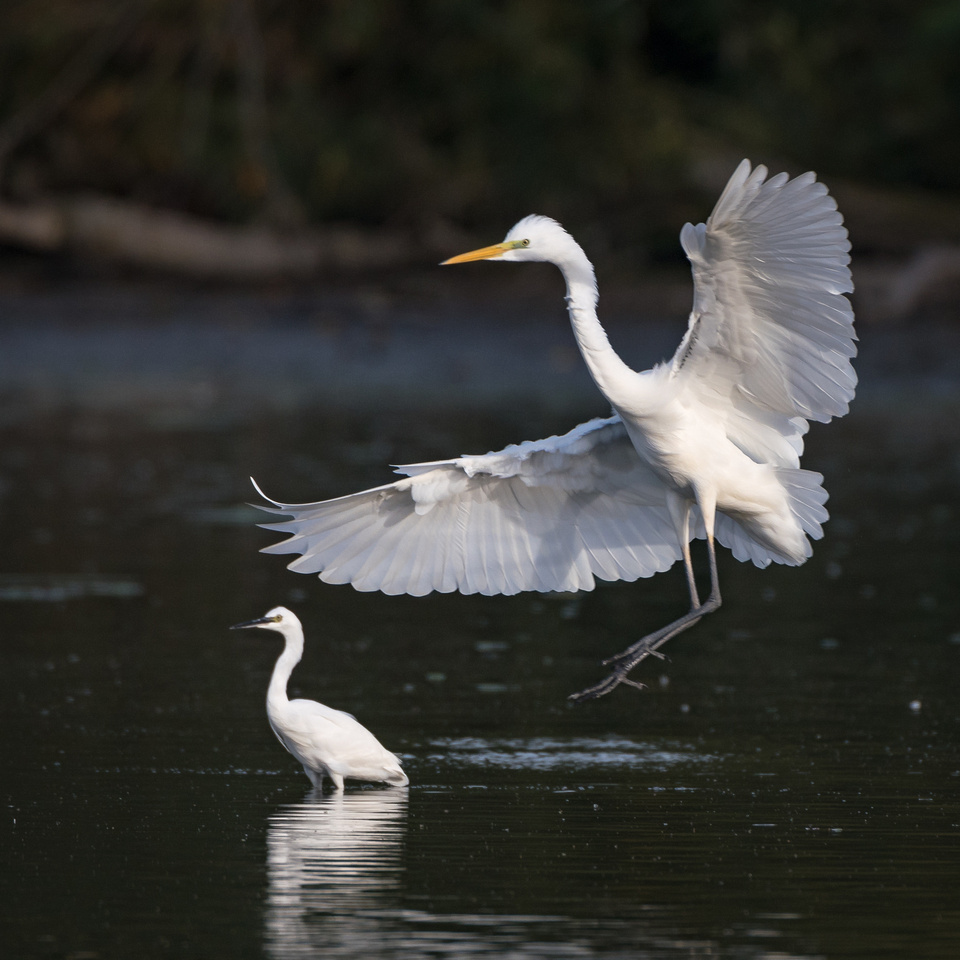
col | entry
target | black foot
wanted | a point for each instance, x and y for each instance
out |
(626, 660)
(605, 686)
(633, 655)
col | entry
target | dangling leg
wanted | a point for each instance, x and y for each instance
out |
(680, 512)
(681, 519)
(647, 646)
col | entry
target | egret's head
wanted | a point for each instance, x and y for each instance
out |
(533, 238)
(279, 618)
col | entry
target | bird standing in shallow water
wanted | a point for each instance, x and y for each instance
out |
(329, 743)
(706, 445)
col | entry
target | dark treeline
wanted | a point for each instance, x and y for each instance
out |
(411, 114)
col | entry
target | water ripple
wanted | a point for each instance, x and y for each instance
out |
(550, 753)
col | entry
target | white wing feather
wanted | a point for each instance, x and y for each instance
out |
(771, 337)
(547, 515)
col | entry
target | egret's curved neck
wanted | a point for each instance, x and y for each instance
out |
(292, 653)
(609, 372)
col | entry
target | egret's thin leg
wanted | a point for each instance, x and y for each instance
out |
(647, 646)
(691, 582)
(657, 638)
(679, 508)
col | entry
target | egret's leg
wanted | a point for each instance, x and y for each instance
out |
(647, 646)
(679, 508)
(337, 781)
(691, 582)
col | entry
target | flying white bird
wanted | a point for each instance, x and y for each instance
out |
(706, 445)
(329, 743)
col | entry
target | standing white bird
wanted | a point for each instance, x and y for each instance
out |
(329, 743)
(706, 445)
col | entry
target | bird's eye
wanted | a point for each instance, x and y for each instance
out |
(524, 243)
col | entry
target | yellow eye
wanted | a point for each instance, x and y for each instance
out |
(524, 243)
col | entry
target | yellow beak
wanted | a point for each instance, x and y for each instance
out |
(484, 253)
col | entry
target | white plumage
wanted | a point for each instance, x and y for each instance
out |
(329, 743)
(705, 445)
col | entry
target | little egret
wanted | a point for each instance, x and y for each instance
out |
(329, 743)
(706, 445)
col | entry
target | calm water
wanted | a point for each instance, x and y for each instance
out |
(788, 787)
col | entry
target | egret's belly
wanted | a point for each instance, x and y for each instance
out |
(696, 460)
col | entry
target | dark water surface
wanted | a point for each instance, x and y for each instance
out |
(787, 787)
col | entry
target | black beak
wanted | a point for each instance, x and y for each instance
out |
(259, 622)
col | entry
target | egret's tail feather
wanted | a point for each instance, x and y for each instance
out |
(398, 779)
(786, 541)
(807, 499)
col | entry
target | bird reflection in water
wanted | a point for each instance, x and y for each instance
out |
(333, 863)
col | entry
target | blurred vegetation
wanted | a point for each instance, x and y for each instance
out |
(413, 114)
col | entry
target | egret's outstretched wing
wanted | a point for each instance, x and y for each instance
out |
(542, 515)
(771, 329)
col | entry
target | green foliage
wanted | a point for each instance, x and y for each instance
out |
(385, 111)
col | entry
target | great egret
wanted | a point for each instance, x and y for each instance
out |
(329, 743)
(706, 445)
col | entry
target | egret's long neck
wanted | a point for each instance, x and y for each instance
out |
(292, 652)
(610, 373)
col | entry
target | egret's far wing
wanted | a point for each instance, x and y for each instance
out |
(770, 326)
(542, 515)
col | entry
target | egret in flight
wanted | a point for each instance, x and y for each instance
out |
(704, 446)
(329, 743)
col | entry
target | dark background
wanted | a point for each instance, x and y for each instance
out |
(420, 124)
